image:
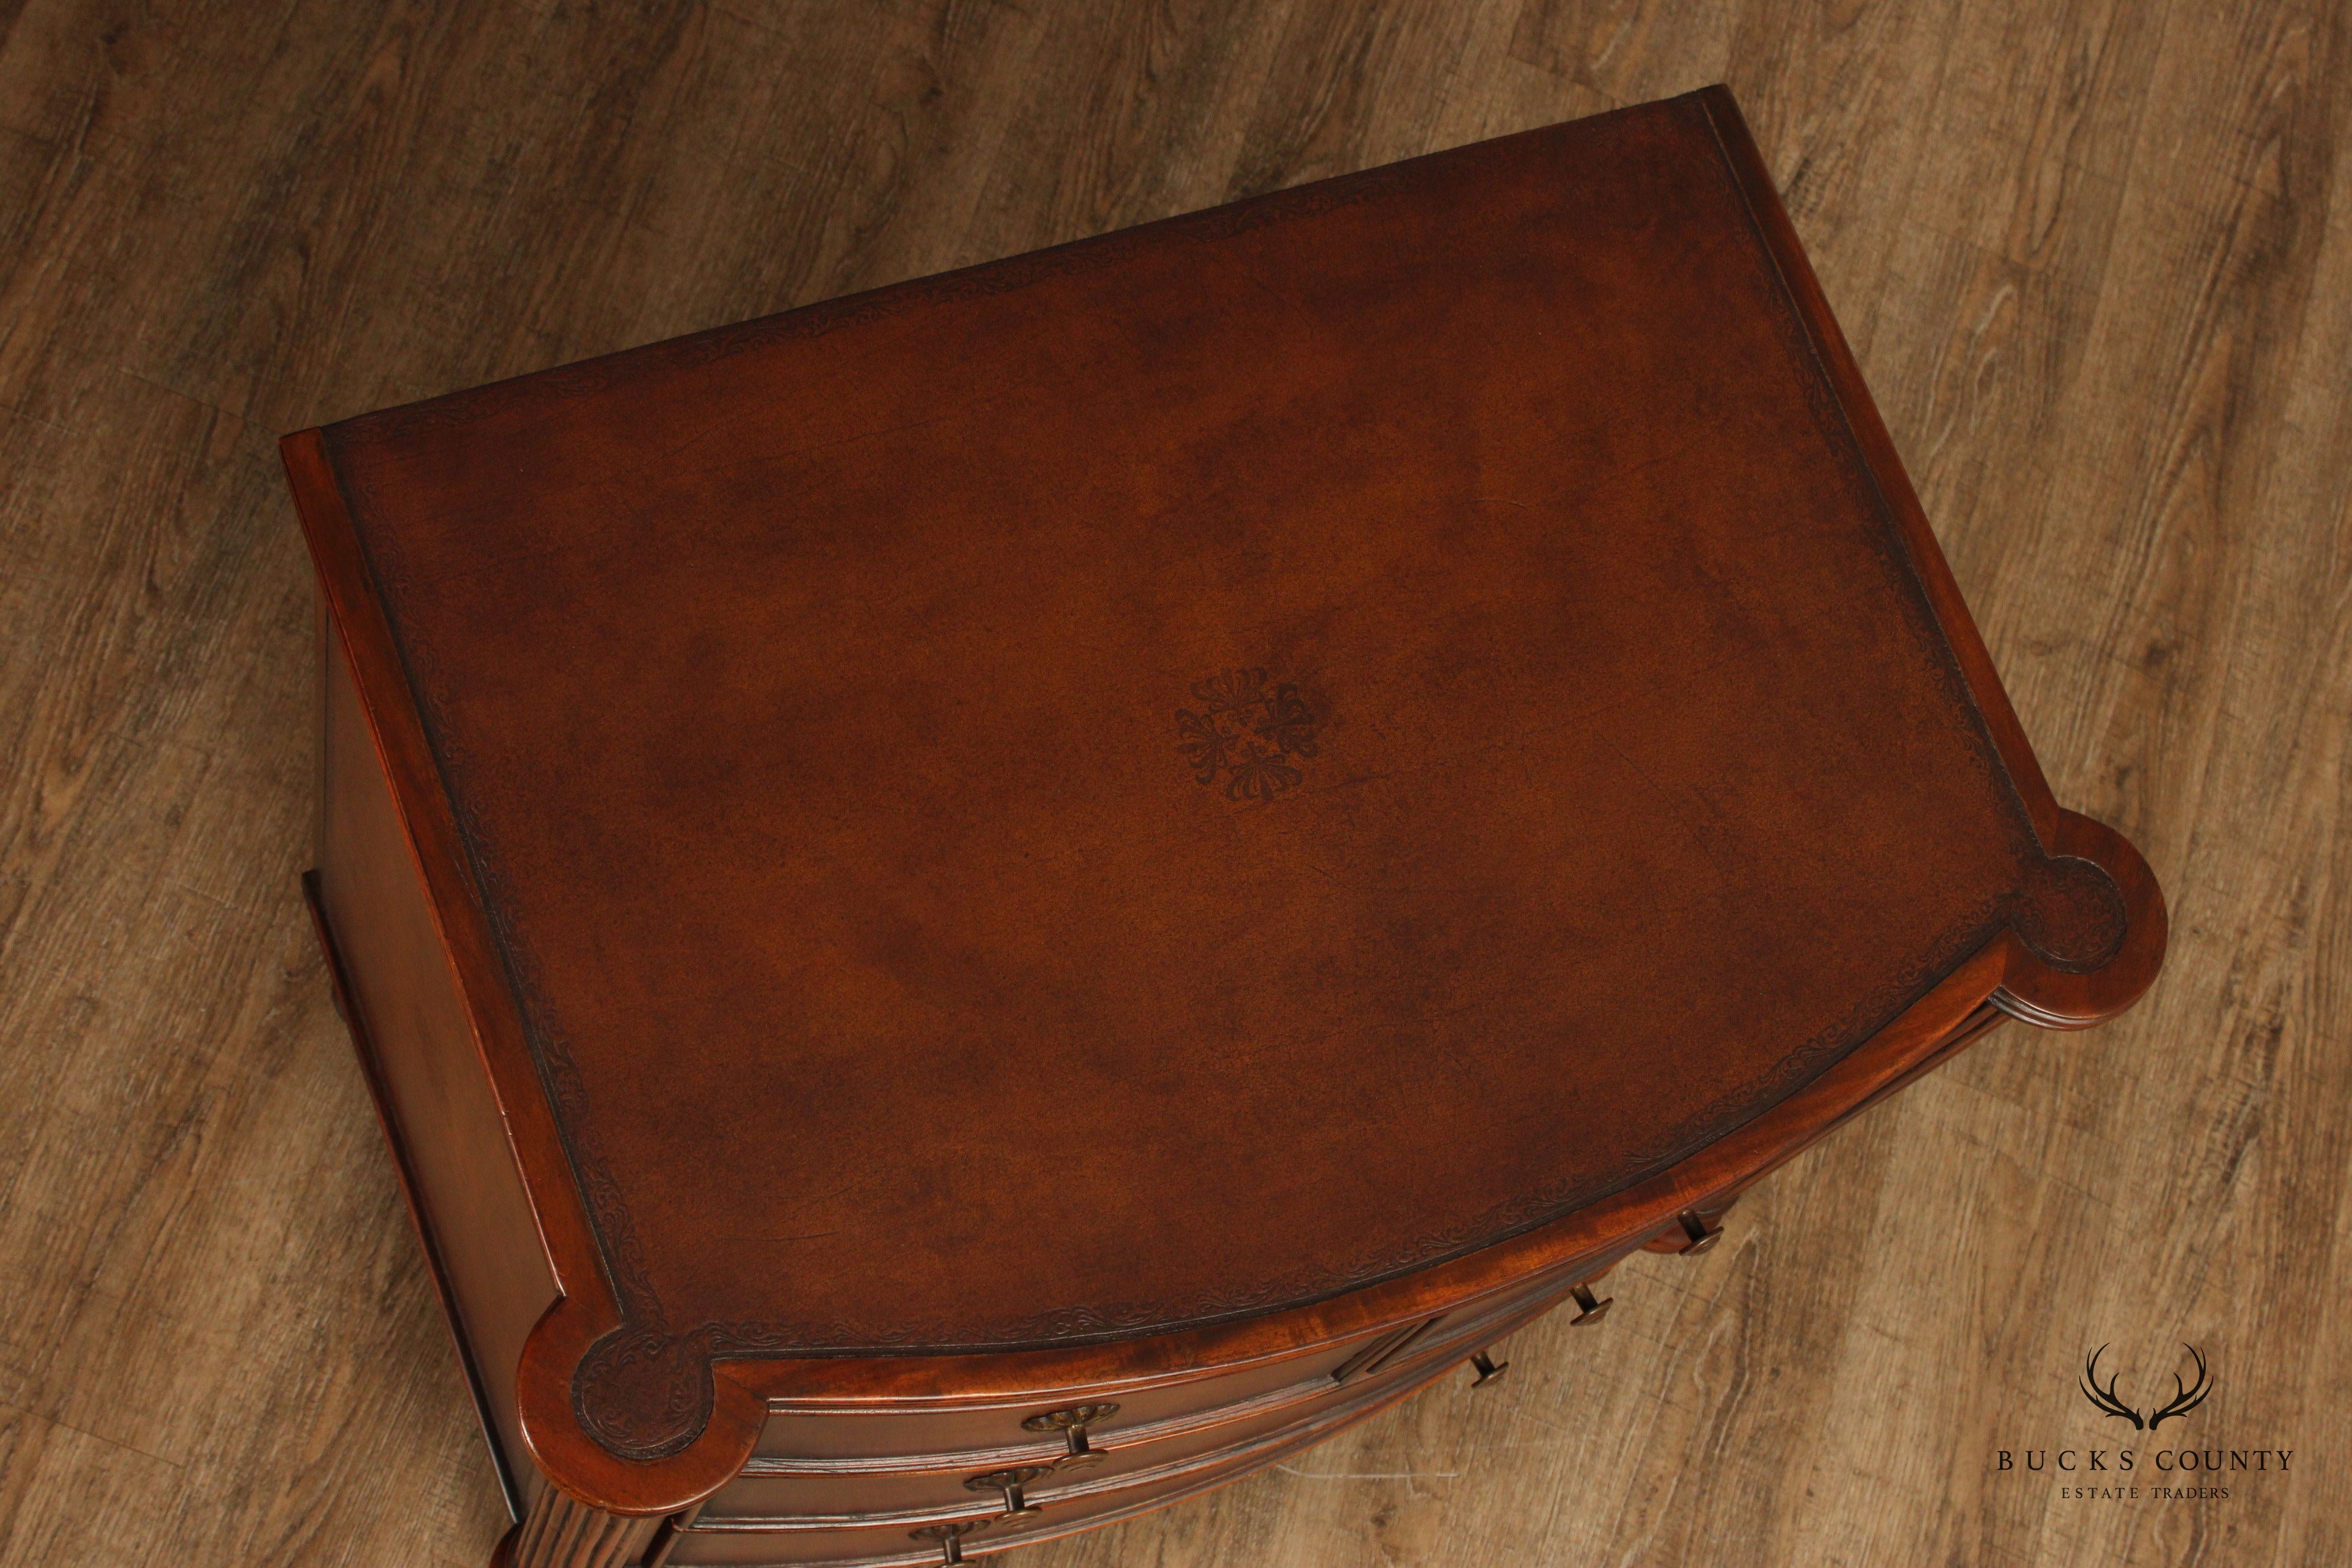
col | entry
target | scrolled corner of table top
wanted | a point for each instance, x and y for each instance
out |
(629, 1420)
(2042, 983)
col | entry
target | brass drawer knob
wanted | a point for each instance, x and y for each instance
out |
(1010, 1482)
(1702, 1231)
(1489, 1369)
(1075, 1415)
(1595, 1307)
(1072, 1425)
(950, 1536)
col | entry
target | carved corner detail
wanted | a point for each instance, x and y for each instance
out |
(626, 1418)
(2070, 914)
(645, 1395)
(2090, 929)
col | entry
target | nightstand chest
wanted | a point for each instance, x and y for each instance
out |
(980, 907)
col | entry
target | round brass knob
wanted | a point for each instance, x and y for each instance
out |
(1072, 1424)
(997, 1480)
(1010, 1481)
(950, 1536)
(1075, 1415)
(1595, 1307)
(1081, 1455)
(1702, 1233)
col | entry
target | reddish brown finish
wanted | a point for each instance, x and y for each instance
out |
(1116, 819)
(410, 1031)
(561, 1532)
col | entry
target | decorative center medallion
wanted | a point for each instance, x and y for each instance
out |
(1246, 734)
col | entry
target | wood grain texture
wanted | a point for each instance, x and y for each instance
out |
(2095, 262)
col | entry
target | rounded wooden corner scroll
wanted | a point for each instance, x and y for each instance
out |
(2087, 933)
(629, 1420)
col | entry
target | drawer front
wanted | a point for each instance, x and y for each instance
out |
(993, 1434)
(996, 1428)
(876, 1544)
(972, 1485)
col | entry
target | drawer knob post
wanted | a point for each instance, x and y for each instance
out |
(1072, 1424)
(1010, 1481)
(950, 1536)
(1702, 1231)
(1593, 1308)
(1489, 1369)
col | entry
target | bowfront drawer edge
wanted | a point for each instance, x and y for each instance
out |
(1230, 1465)
(1406, 1374)
(1076, 1493)
(1444, 1336)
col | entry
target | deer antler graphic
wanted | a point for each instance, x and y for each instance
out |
(2185, 1399)
(2105, 1398)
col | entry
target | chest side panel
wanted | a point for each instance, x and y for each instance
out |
(418, 1045)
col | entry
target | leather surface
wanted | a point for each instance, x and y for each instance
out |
(1178, 776)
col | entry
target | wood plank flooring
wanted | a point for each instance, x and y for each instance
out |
(2096, 261)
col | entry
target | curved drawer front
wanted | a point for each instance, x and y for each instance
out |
(972, 1483)
(993, 1434)
(876, 1543)
(868, 1511)
(996, 1429)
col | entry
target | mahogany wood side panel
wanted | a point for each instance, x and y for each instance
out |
(418, 1043)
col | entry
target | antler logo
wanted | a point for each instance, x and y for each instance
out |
(2185, 1398)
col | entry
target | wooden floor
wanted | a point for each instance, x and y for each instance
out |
(2097, 264)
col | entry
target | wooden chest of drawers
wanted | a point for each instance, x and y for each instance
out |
(980, 907)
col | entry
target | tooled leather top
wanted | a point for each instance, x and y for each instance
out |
(1178, 776)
